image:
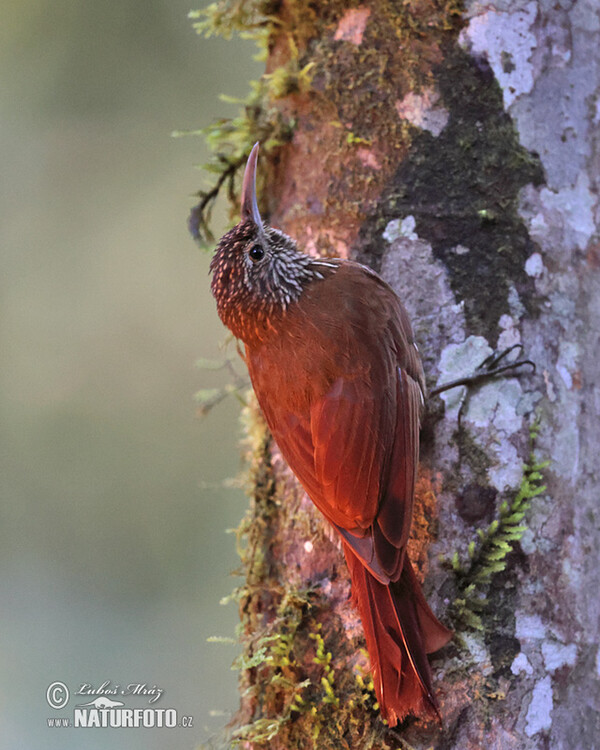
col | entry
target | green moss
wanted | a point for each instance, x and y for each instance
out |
(487, 555)
(293, 691)
(323, 659)
(289, 79)
(249, 18)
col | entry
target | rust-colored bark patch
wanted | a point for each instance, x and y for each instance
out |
(425, 514)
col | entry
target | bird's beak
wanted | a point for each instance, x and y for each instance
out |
(249, 204)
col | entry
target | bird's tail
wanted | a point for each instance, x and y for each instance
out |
(400, 630)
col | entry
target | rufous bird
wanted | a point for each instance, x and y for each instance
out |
(337, 374)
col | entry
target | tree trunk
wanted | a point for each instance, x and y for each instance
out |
(455, 151)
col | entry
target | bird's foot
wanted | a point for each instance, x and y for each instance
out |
(491, 367)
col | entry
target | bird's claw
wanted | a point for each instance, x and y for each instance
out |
(490, 368)
(491, 365)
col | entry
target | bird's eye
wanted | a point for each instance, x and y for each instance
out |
(256, 253)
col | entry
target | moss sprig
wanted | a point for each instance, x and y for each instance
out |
(208, 398)
(488, 553)
(272, 656)
(323, 658)
(230, 139)
(249, 18)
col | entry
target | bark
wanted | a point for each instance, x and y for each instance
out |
(455, 150)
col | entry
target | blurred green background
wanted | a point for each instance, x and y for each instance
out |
(112, 534)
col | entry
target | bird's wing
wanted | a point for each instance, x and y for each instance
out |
(335, 453)
(355, 446)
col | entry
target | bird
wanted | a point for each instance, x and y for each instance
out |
(338, 376)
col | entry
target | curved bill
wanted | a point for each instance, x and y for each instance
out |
(249, 204)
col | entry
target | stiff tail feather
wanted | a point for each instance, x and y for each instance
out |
(400, 630)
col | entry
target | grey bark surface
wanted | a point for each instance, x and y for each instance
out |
(552, 94)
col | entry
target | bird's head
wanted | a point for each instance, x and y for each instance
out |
(257, 270)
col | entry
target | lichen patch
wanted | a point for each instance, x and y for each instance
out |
(507, 40)
(424, 111)
(352, 25)
(539, 713)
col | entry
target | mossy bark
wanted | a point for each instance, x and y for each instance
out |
(403, 154)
